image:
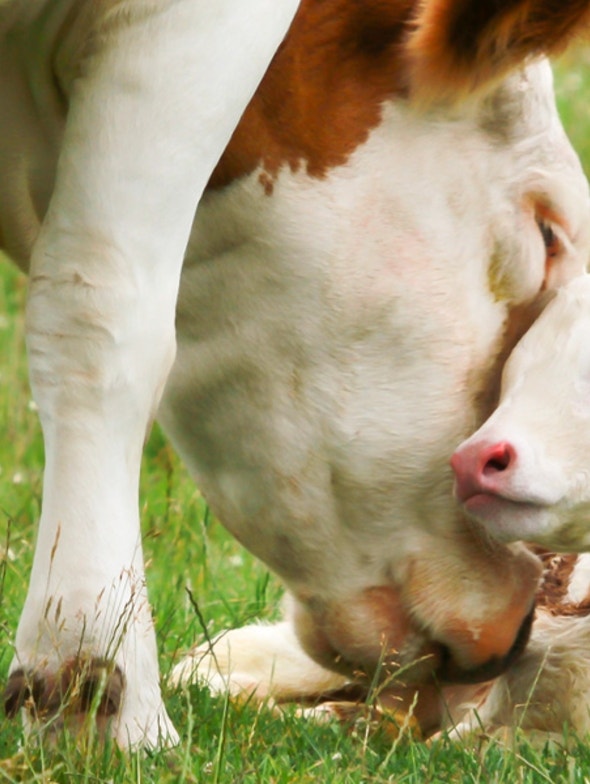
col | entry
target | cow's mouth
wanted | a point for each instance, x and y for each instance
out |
(374, 637)
(450, 672)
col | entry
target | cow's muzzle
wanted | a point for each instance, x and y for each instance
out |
(449, 671)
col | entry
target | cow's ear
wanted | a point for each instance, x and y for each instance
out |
(458, 47)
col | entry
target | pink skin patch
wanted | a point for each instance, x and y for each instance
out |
(482, 469)
(484, 484)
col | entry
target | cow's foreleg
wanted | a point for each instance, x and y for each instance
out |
(157, 100)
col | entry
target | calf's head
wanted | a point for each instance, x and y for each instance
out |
(525, 474)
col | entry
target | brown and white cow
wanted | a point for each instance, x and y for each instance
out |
(371, 244)
(547, 689)
(522, 475)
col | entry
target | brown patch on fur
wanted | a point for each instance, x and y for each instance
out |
(372, 629)
(475, 647)
(459, 46)
(365, 634)
(20, 690)
(75, 688)
(557, 572)
(493, 650)
(267, 183)
(519, 320)
(323, 91)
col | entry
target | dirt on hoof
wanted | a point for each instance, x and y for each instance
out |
(82, 686)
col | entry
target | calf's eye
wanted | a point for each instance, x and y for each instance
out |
(550, 239)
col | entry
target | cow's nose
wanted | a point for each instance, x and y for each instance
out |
(450, 671)
(496, 458)
(482, 468)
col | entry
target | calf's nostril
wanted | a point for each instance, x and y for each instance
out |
(498, 458)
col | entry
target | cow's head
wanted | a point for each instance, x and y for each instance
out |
(414, 239)
(525, 474)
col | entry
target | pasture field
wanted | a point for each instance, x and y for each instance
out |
(187, 549)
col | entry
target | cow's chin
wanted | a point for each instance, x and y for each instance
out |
(556, 527)
(374, 636)
(508, 520)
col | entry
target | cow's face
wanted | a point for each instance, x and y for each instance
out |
(525, 474)
(342, 344)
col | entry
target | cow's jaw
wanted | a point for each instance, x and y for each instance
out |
(406, 635)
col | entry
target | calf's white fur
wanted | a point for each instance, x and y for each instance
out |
(540, 492)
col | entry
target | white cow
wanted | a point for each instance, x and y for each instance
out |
(365, 255)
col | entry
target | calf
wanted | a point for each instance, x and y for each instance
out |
(524, 474)
(366, 253)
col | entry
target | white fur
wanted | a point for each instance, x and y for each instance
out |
(144, 129)
(261, 661)
(579, 582)
(328, 337)
(544, 413)
(329, 341)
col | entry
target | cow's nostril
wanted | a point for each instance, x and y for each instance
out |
(495, 465)
(498, 458)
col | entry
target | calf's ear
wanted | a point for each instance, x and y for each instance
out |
(459, 47)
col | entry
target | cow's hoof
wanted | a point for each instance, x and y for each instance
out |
(90, 696)
(82, 687)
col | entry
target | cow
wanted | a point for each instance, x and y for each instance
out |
(522, 475)
(384, 191)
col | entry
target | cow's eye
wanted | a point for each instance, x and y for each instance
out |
(550, 238)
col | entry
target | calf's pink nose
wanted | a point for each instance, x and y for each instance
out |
(481, 467)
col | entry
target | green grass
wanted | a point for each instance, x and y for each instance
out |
(572, 73)
(184, 548)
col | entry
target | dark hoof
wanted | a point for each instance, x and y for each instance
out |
(81, 686)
